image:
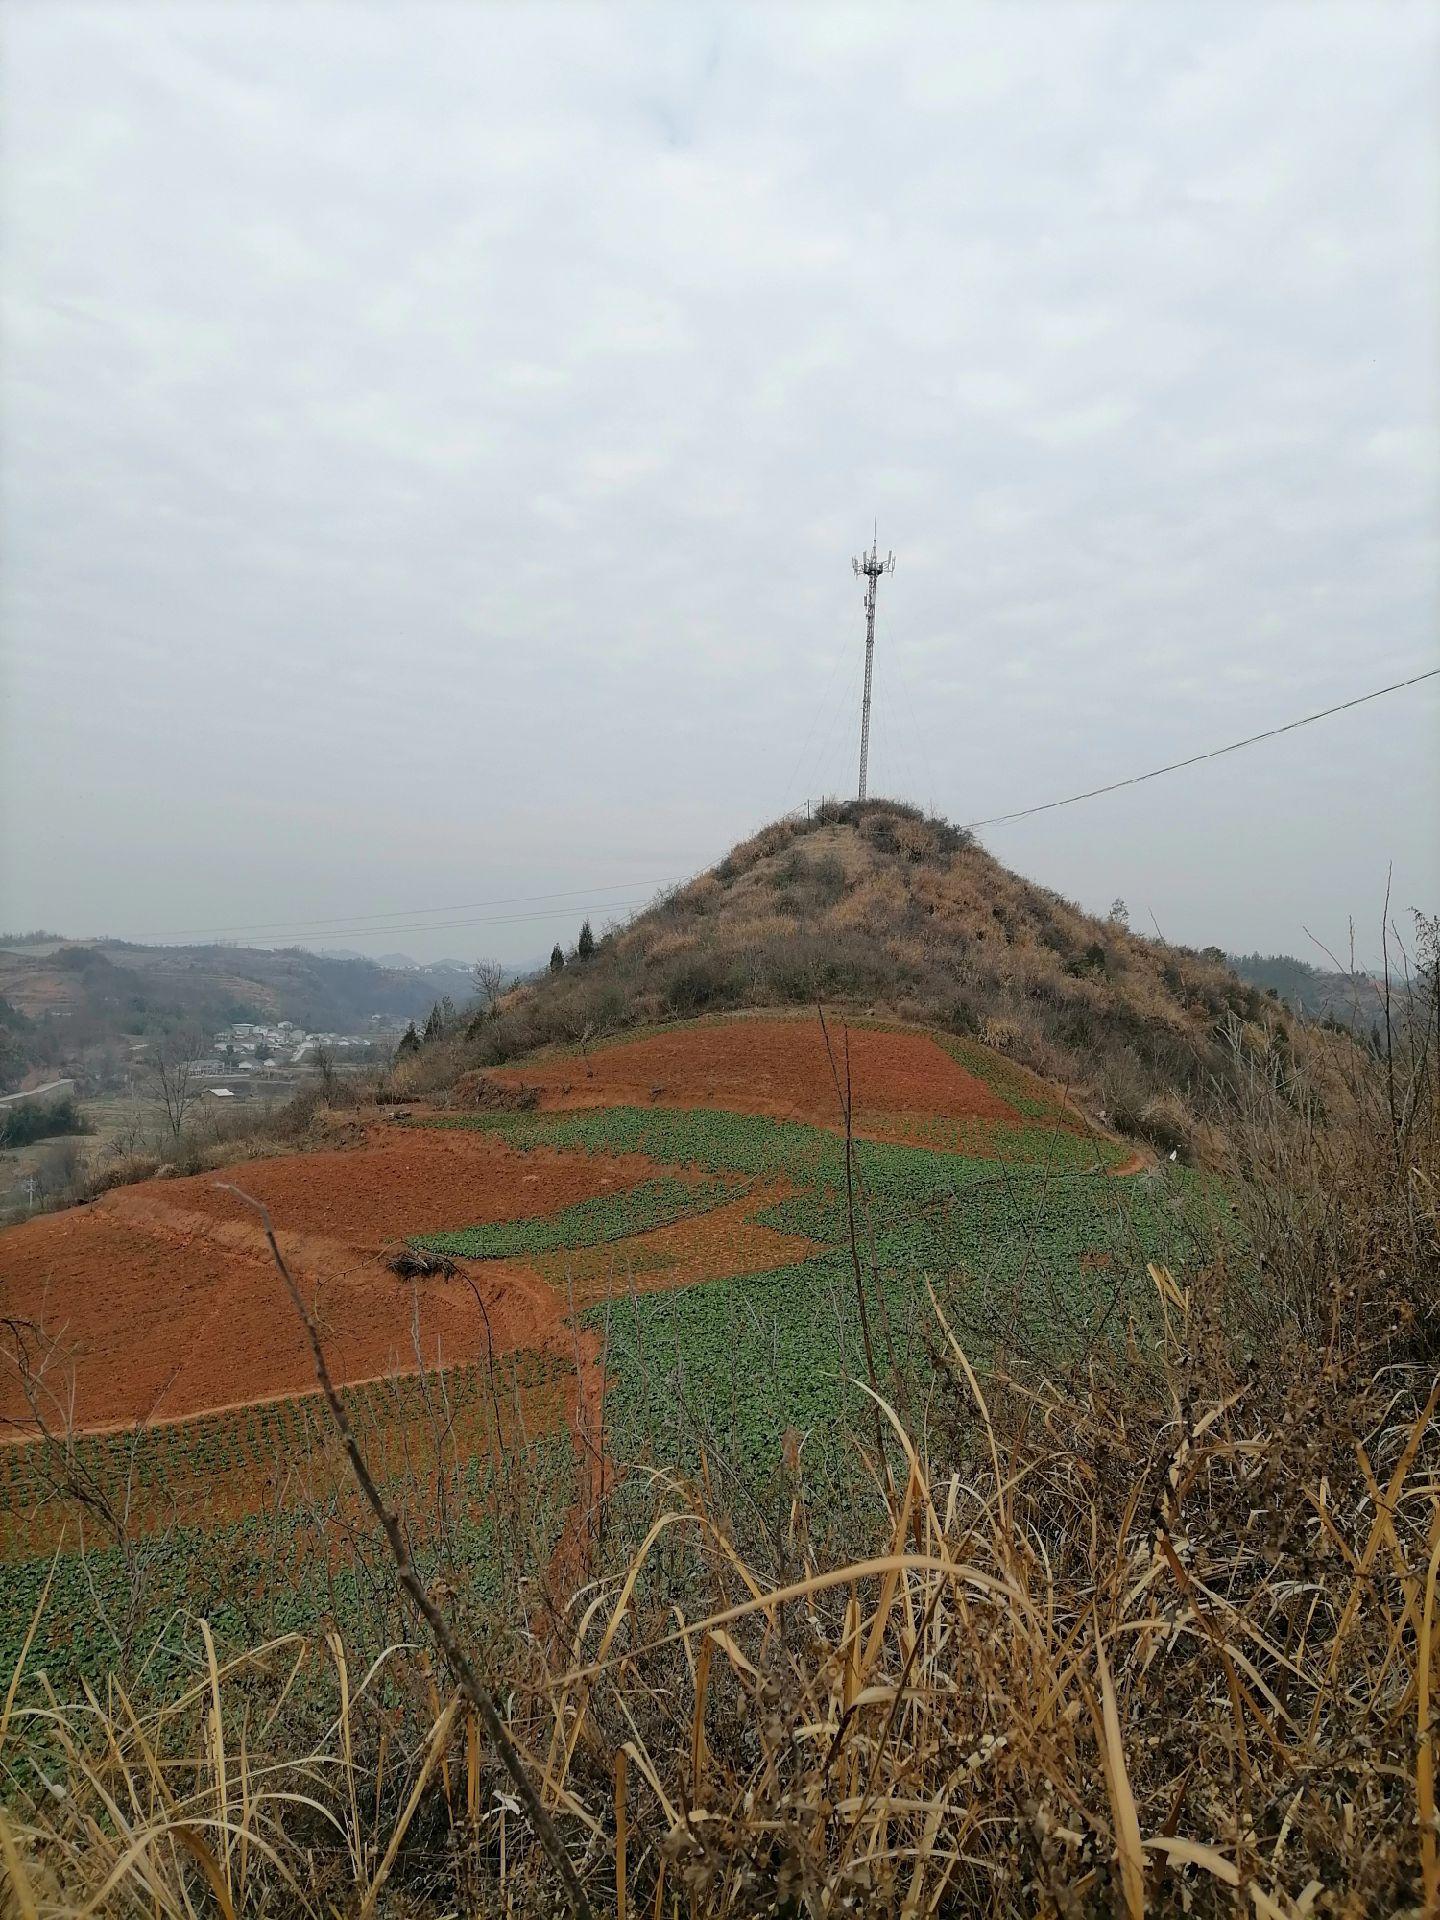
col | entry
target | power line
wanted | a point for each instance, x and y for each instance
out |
(283, 936)
(335, 928)
(353, 920)
(1215, 753)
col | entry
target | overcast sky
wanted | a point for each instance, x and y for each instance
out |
(435, 439)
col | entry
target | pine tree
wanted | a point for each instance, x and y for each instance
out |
(557, 958)
(435, 1025)
(585, 946)
(409, 1042)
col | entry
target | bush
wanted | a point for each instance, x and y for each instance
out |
(27, 1120)
(702, 982)
(59, 1171)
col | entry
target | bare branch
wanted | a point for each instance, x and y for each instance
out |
(482, 1698)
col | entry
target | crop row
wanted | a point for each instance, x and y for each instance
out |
(1024, 1091)
(718, 1141)
(282, 1452)
(1039, 1249)
(273, 1572)
(735, 1364)
(918, 1204)
(589, 1223)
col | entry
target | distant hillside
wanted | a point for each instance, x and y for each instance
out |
(64, 997)
(878, 908)
(1309, 990)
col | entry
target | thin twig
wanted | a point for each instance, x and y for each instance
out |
(482, 1698)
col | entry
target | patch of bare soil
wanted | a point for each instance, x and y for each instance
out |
(161, 1300)
(711, 1246)
(775, 1067)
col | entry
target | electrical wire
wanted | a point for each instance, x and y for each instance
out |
(353, 920)
(1215, 753)
(360, 924)
(450, 926)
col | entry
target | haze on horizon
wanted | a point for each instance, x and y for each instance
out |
(433, 442)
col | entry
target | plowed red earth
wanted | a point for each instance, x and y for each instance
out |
(724, 1241)
(161, 1300)
(775, 1067)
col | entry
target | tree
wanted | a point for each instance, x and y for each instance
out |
(324, 1058)
(490, 985)
(435, 1025)
(1119, 913)
(409, 1042)
(585, 946)
(173, 1074)
(557, 958)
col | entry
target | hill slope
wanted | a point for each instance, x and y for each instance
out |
(99, 990)
(881, 908)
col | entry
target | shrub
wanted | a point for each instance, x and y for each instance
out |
(414, 1263)
(27, 1120)
(707, 980)
(58, 1171)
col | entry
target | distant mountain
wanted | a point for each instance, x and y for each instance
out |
(76, 996)
(1309, 990)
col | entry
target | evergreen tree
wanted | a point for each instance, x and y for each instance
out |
(435, 1025)
(557, 958)
(409, 1042)
(586, 943)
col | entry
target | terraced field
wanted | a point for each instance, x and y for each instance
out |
(654, 1261)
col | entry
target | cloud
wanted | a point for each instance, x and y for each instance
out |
(456, 430)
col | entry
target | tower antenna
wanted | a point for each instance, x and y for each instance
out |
(869, 567)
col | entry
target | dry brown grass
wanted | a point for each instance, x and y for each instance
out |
(1167, 1650)
(1157, 1635)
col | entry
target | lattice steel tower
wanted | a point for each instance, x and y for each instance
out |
(869, 567)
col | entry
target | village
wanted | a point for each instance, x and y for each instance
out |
(251, 1046)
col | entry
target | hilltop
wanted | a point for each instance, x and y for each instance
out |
(876, 907)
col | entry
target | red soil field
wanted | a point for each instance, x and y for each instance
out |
(405, 1181)
(162, 1300)
(774, 1067)
(711, 1246)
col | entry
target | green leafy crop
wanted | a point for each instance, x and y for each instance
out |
(589, 1223)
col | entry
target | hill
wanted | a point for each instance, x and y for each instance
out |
(1354, 999)
(63, 998)
(876, 906)
(829, 1444)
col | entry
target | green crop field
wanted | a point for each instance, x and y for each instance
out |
(1025, 1238)
(590, 1223)
(1043, 1251)
(136, 1605)
(234, 1516)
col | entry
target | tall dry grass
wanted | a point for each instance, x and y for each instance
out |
(1154, 1635)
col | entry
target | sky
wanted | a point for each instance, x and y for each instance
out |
(433, 443)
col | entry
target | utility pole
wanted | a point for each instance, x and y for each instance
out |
(869, 567)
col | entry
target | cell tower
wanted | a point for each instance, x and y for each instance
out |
(869, 567)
